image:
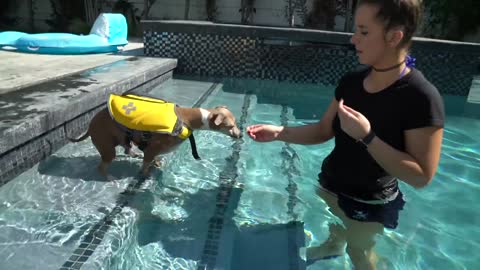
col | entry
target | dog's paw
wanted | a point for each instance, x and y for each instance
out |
(135, 155)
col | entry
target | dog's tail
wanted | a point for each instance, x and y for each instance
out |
(79, 139)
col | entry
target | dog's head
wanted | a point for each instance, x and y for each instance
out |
(222, 120)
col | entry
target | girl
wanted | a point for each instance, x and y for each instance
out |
(387, 121)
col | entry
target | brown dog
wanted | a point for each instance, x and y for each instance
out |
(107, 133)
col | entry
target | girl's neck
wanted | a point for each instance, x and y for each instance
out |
(385, 73)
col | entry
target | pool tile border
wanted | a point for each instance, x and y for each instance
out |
(290, 170)
(295, 55)
(228, 180)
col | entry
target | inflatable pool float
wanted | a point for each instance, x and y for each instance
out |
(108, 34)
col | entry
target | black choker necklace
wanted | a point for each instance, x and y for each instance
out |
(389, 68)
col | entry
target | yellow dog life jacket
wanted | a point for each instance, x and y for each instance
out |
(147, 114)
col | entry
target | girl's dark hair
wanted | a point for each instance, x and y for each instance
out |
(395, 13)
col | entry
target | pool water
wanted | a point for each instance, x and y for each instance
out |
(245, 205)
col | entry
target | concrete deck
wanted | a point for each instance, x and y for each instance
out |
(19, 70)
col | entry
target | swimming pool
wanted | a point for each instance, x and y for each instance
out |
(243, 206)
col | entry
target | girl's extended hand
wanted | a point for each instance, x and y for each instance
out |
(352, 122)
(263, 133)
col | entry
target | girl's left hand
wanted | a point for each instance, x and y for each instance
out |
(352, 122)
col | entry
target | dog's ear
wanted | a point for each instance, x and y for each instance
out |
(218, 118)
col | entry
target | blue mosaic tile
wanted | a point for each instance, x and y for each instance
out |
(247, 57)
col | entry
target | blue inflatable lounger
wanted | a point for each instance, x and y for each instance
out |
(108, 34)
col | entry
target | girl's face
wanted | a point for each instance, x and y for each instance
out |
(372, 43)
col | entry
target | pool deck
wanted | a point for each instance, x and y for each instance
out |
(19, 70)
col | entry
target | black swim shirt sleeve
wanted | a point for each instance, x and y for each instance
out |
(424, 107)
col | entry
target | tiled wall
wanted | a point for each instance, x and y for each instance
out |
(255, 57)
(234, 56)
(25, 156)
(451, 72)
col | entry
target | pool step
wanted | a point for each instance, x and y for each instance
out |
(474, 95)
(472, 106)
(183, 90)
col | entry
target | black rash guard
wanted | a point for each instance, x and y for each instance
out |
(409, 103)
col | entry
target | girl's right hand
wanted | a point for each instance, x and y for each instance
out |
(264, 133)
